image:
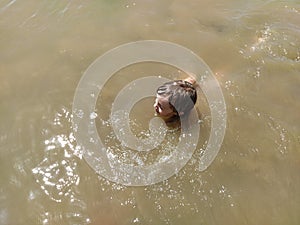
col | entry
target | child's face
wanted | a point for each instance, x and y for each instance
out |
(163, 108)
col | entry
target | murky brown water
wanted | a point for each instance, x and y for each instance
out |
(252, 47)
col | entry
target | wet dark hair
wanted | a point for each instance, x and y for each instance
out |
(181, 95)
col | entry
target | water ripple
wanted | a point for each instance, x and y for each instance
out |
(5, 7)
(281, 43)
(57, 174)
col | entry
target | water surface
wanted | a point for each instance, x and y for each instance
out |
(252, 47)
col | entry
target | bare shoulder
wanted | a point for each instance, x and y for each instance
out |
(191, 80)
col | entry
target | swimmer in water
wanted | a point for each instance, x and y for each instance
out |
(175, 99)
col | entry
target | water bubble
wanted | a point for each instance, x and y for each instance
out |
(80, 113)
(93, 115)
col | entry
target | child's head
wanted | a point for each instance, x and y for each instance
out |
(175, 99)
